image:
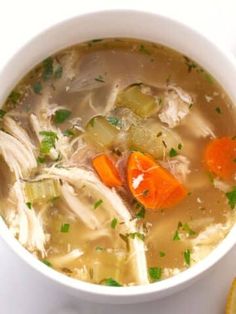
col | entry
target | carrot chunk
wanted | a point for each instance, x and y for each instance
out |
(106, 171)
(152, 185)
(220, 157)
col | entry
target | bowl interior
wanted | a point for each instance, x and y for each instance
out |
(121, 24)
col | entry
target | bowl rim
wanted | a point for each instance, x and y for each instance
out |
(133, 291)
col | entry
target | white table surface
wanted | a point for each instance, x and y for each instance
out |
(22, 290)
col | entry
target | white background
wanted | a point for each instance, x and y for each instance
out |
(22, 290)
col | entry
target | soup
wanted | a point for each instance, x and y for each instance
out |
(118, 162)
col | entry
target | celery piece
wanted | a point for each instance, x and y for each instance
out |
(133, 98)
(41, 191)
(100, 132)
(152, 138)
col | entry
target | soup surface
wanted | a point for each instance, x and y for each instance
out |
(118, 162)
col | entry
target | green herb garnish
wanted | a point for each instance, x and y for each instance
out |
(114, 121)
(187, 257)
(111, 282)
(97, 203)
(2, 113)
(29, 205)
(180, 146)
(37, 87)
(187, 229)
(162, 254)
(99, 248)
(61, 115)
(114, 223)
(231, 196)
(173, 152)
(176, 236)
(69, 132)
(100, 79)
(48, 141)
(137, 235)
(41, 159)
(65, 228)
(190, 64)
(14, 97)
(124, 237)
(144, 50)
(155, 273)
(47, 68)
(46, 262)
(141, 213)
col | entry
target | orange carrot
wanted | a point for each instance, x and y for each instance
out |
(106, 171)
(152, 185)
(220, 157)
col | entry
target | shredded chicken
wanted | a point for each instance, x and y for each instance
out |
(222, 186)
(176, 106)
(19, 158)
(25, 223)
(63, 260)
(78, 177)
(178, 166)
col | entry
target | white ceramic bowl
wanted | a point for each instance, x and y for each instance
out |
(130, 24)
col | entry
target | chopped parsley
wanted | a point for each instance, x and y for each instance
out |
(188, 230)
(124, 237)
(114, 121)
(97, 203)
(47, 69)
(144, 50)
(2, 113)
(29, 205)
(69, 132)
(37, 87)
(180, 146)
(162, 254)
(99, 248)
(100, 79)
(141, 213)
(48, 141)
(231, 196)
(155, 273)
(187, 257)
(111, 282)
(41, 159)
(176, 236)
(46, 262)
(173, 152)
(137, 235)
(218, 110)
(65, 228)
(14, 97)
(159, 134)
(114, 223)
(61, 115)
(190, 64)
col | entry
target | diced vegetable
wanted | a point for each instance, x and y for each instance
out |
(100, 132)
(133, 98)
(220, 156)
(111, 282)
(41, 191)
(153, 138)
(158, 188)
(155, 273)
(106, 171)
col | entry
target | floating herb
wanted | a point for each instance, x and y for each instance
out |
(137, 235)
(58, 72)
(188, 230)
(155, 273)
(29, 205)
(162, 254)
(114, 121)
(187, 257)
(141, 213)
(231, 196)
(47, 69)
(173, 153)
(111, 282)
(97, 204)
(14, 97)
(218, 110)
(114, 223)
(144, 50)
(46, 262)
(61, 115)
(37, 87)
(65, 228)
(100, 79)
(48, 141)
(2, 113)
(180, 146)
